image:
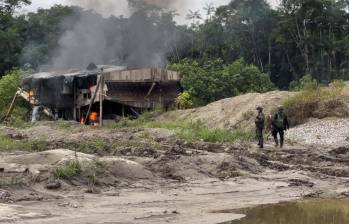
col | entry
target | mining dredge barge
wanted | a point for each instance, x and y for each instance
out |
(100, 92)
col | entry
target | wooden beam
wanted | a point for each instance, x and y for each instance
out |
(151, 89)
(75, 105)
(93, 99)
(135, 112)
(101, 100)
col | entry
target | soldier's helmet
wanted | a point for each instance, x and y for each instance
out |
(280, 108)
(259, 108)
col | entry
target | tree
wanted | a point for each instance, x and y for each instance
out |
(213, 80)
(193, 16)
(209, 8)
(313, 28)
(43, 29)
(8, 6)
(8, 87)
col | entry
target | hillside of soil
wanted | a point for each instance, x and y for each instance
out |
(235, 113)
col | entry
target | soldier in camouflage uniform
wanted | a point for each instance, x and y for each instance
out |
(260, 125)
(280, 124)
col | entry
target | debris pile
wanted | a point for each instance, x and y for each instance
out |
(329, 132)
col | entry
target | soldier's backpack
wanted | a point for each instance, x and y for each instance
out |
(279, 121)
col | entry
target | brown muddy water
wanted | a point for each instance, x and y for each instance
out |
(303, 212)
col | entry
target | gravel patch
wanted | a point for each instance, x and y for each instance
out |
(324, 132)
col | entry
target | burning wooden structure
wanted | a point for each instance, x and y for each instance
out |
(108, 91)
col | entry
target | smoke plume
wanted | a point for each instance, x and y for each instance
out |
(125, 7)
(142, 39)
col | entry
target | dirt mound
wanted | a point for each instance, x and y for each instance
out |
(236, 113)
(338, 107)
(103, 142)
(40, 166)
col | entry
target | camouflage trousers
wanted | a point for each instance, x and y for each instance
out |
(281, 133)
(260, 137)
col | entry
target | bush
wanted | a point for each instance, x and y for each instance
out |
(213, 80)
(184, 100)
(307, 82)
(68, 170)
(74, 168)
(8, 87)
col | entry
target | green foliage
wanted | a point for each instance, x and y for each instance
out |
(189, 131)
(184, 100)
(307, 82)
(213, 80)
(8, 87)
(305, 103)
(75, 168)
(8, 6)
(246, 78)
(284, 43)
(90, 146)
(197, 131)
(68, 170)
(338, 85)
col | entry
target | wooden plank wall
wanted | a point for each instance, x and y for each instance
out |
(142, 75)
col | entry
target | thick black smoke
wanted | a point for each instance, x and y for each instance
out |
(141, 40)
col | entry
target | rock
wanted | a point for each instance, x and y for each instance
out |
(63, 204)
(298, 183)
(53, 185)
(189, 152)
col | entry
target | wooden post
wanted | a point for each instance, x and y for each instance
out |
(92, 101)
(75, 105)
(101, 100)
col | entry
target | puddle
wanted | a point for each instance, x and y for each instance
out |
(307, 212)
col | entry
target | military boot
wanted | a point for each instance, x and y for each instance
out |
(276, 142)
(282, 141)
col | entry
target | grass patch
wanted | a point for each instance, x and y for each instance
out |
(63, 125)
(68, 170)
(187, 130)
(306, 102)
(89, 146)
(9, 144)
(75, 168)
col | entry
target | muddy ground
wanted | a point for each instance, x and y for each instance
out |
(150, 176)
